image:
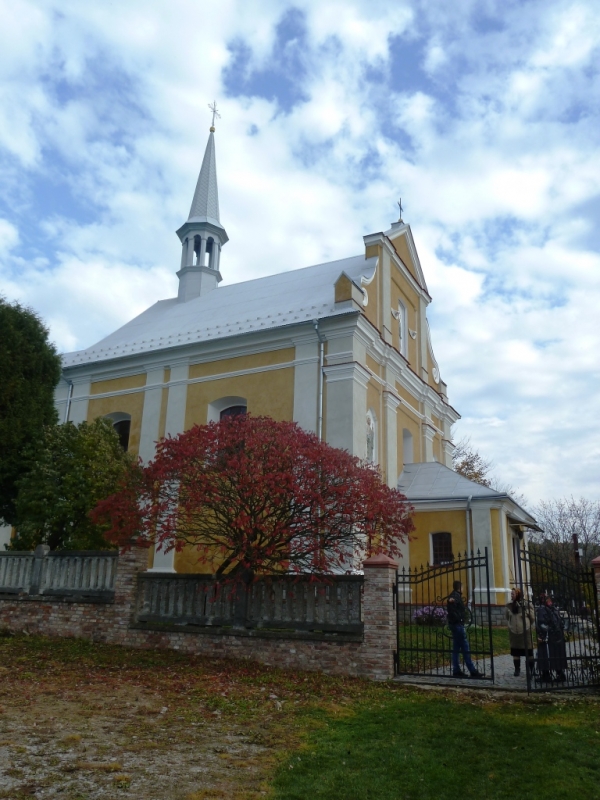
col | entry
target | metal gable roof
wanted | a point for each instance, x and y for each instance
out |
(274, 301)
(434, 481)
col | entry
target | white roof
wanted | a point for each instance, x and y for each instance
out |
(287, 298)
(434, 481)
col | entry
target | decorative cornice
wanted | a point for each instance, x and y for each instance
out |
(351, 371)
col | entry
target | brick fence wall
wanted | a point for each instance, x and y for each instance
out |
(114, 623)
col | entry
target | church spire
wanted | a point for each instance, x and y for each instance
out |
(202, 236)
(206, 197)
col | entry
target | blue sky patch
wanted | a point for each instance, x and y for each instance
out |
(280, 80)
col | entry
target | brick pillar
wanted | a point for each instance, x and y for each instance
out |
(129, 564)
(379, 617)
(596, 566)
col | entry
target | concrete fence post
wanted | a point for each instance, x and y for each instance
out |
(379, 617)
(37, 571)
(129, 565)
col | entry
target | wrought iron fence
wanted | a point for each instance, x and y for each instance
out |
(329, 605)
(426, 635)
(567, 634)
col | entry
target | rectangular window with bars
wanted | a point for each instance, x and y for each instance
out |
(441, 548)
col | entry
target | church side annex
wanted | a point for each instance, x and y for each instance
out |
(342, 348)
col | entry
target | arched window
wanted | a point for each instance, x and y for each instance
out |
(210, 250)
(226, 407)
(233, 411)
(402, 329)
(408, 456)
(122, 424)
(441, 548)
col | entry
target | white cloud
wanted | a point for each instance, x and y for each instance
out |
(494, 152)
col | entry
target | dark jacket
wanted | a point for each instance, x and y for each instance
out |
(552, 650)
(549, 624)
(456, 610)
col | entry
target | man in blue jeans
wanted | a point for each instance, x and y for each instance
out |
(456, 622)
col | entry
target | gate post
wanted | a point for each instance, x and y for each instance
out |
(379, 616)
(596, 566)
(129, 564)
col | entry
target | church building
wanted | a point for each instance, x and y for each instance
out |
(342, 348)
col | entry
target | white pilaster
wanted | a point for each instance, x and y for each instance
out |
(428, 432)
(482, 538)
(151, 414)
(390, 442)
(306, 384)
(5, 532)
(202, 255)
(79, 401)
(175, 422)
(346, 386)
(163, 562)
(177, 398)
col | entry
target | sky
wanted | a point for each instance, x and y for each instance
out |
(482, 115)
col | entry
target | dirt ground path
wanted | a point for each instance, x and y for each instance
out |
(156, 726)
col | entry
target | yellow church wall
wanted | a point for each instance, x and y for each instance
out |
(411, 401)
(402, 291)
(132, 404)
(253, 361)
(119, 384)
(267, 395)
(373, 365)
(437, 449)
(188, 561)
(402, 250)
(428, 522)
(404, 420)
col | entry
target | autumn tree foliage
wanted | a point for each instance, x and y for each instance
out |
(256, 496)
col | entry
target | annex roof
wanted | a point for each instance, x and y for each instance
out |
(274, 301)
(434, 481)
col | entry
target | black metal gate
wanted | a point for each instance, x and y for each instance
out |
(566, 636)
(425, 637)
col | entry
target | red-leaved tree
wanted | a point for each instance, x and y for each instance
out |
(257, 496)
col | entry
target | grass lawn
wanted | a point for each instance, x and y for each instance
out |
(81, 721)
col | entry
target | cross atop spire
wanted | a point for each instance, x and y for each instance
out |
(215, 113)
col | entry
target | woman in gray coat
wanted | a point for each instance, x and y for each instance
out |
(520, 617)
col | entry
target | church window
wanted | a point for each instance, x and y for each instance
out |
(229, 406)
(441, 548)
(407, 447)
(233, 411)
(402, 329)
(122, 425)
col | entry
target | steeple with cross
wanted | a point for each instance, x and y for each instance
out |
(202, 236)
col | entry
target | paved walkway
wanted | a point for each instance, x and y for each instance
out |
(504, 678)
